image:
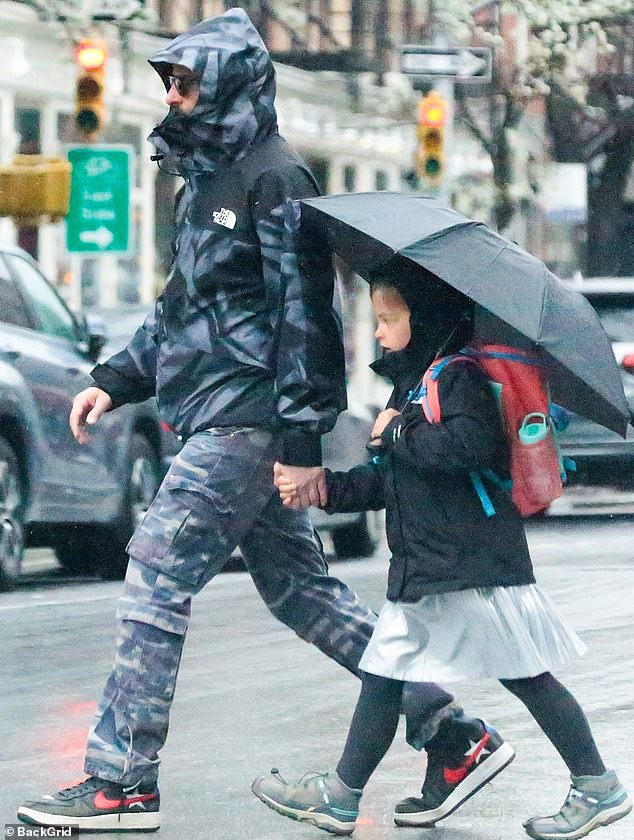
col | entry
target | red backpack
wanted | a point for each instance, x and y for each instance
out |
(519, 383)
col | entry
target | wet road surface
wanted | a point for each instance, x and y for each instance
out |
(251, 696)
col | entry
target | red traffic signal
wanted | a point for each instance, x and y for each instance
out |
(432, 110)
(91, 55)
(90, 110)
(430, 154)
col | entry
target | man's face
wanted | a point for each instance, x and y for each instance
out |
(392, 316)
(184, 90)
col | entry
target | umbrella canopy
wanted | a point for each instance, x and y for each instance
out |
(518, 296)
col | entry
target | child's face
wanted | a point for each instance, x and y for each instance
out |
(392, 316)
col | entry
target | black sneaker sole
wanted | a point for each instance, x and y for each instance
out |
(476, 780)
(150, 821)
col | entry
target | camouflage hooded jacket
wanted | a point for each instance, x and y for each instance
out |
(244, 333)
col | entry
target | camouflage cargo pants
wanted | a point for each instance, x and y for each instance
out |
(217, 494)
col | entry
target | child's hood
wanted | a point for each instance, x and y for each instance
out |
(441, 318)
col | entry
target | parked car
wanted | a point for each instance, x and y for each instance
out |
(604, 479)
(83, 501)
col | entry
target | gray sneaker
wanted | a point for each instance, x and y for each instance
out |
(592, 801)
(318, 798)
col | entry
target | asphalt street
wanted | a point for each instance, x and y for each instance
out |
(252, 696)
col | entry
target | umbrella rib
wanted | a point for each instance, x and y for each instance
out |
(433, 236)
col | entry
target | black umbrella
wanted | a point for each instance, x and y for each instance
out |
(511, 288)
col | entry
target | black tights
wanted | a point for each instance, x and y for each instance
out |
(562, 720)
(376, 716)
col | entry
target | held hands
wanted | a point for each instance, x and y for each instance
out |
(380, 423)
(88, 406)
(300, 487)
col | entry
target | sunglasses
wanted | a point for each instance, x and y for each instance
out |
(184, 84)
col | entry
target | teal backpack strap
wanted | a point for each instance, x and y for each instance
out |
(485, 499)
(505, 484)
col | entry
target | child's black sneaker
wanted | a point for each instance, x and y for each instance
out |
(97, 805)
(454, 776)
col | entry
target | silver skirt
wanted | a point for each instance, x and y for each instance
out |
(496, 632)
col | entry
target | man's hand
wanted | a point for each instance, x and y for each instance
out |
(88, 406)
(381, 422)
(300, 487)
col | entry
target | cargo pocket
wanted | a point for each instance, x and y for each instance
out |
(187, 533)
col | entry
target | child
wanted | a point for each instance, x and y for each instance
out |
(462, 602)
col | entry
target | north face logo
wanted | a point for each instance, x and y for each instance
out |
(224, 217)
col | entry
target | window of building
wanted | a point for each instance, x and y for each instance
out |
(349, 178)
(380, 179)
(28, 128)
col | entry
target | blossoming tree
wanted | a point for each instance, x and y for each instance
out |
(542, 48)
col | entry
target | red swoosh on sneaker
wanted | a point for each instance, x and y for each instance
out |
(454, 776)
(102, 802)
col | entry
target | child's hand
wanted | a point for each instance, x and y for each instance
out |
(300, 487)
(381, 422)
(287, 490)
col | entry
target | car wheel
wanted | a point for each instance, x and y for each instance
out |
(142, 483)
(11, 508)
(357, 540)
(95, 549)
(77, 550)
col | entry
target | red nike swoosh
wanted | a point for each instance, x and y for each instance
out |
(453, 776)
(102, 802)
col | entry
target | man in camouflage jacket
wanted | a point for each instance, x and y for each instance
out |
(245, 358)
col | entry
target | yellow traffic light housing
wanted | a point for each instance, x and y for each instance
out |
(35, 189)
(90, 109)
(430, 131)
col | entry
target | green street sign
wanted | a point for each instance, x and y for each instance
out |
(99, 217)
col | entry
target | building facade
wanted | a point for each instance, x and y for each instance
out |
(356, 135)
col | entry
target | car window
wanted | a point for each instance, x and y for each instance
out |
(52, 316)
(617, 316)
(13, 310)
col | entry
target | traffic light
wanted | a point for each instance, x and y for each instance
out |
(90, 109)
(430, 131)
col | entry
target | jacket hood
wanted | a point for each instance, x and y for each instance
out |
(235, 108)
(441, 318)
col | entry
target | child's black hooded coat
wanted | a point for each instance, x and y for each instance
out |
(439, 535)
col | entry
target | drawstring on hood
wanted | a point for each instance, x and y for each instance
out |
(235, 108)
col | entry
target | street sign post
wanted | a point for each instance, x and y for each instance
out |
(99, 216)
(460, 64)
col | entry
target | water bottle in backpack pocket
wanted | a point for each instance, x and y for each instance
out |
(535, 466)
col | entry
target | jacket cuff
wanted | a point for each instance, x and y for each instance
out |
(330, 484)
(109, 381)
(392, 432)
(300, 448)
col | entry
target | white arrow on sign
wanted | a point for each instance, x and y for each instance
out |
(101, 237)
(456, 63)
